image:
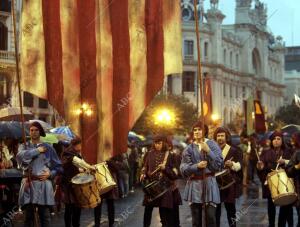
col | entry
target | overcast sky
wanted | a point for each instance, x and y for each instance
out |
(283, 17)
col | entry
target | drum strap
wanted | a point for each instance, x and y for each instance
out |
(165, 158)
(225, 151)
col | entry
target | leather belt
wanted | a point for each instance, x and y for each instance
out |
(200, 177)
(32, 177)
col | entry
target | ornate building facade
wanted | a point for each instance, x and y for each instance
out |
(8, 84)
(242, 60)
(7, 54)
(292, 73)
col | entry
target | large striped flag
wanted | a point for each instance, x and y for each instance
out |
(110, 54)
(207, 105)
(260, 122)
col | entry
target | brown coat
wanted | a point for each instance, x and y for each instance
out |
(295, 173)
(171, 197)
(229, 195)
(70, 170)
(269, 158)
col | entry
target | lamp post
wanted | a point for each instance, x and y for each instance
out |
(84, 110)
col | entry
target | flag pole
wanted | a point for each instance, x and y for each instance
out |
(200, 81)
(18, 69)
(199, 69)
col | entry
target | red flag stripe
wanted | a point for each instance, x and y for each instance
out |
(88, 74)
(53, 52)
(121, 73)
(155, 47)
(70, 63)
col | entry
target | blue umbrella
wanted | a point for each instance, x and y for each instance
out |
(133, 137)
(291, 129)
(12, 130)
(65, 130)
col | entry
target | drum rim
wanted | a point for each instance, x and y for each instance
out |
(221, 172)
(159, 195)
(273, 172)
(291, 194)
(82, 174)
(228, 185)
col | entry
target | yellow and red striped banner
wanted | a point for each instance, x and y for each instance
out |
(111, 54)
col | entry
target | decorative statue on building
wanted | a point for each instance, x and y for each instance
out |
(187, 10)
(260, 12)
(243, 3)
(214, 4)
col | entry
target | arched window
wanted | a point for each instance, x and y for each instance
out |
(4, 89)
(3, 37)
(230, 59)
(5, 5)
(206, 50)
(256, 62)
(224, 56)
(231, 116)
(188, 81)
(225, 116)
(237, 61)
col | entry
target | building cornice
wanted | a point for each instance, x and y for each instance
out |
(240, 74)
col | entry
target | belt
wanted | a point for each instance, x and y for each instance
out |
(32, 177)
(200, 177)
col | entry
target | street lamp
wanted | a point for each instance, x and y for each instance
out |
(84, 109)
(164, 117)
(215, 117)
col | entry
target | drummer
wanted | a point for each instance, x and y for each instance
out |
(159, 158)
(200, 160)
(72, 211)
(278, 154)
(232, 161)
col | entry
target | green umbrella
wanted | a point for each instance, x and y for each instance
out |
(50, 138)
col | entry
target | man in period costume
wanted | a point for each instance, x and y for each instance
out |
(278, 154)
(159, 158)
(109, 196)
(40, 164)
(72, 211)
(233, 162)
(245, 147)
(200, 161)
(293, 169)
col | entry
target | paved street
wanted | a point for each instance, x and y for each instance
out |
(251, 211)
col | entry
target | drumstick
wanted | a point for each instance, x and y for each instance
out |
(257, 155)
(278, 163)
(155, 171)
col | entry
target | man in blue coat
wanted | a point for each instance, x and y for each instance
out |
(200, 160)
(40, 164)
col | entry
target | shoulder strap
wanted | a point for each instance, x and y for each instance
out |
(165, 158)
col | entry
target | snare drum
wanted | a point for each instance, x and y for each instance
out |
(281, 187)
(157, 188)
(86, 191)
(224, 179)
(104, 178)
